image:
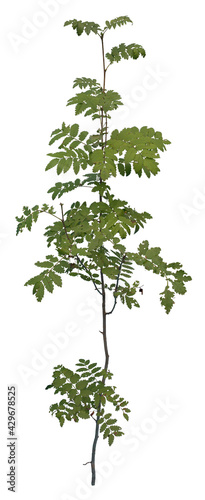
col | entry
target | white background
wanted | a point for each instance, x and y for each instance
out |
(154, 356)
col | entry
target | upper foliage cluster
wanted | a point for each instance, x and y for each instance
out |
(91, 27)
(86, 395)
(80, 234)
(117, 53)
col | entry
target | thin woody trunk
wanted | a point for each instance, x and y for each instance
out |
(103, 380)
(93, 471)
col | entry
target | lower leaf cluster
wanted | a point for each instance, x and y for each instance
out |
(86, 395)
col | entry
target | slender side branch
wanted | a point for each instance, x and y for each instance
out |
(104, 326)
(87, 270)
(104, 69)
(117, 283)
(77, 257)
(94, 418)
(63, 221)
(49, 214)
(108, 65)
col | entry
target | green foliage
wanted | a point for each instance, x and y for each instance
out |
(47, 278)
(86, 395)
(92, 101)
(82, 226)
(73, 151)
(91, 27)
(126, 293)
(118, 21)
(31, 215)
(91, 180)
(142, 148)
(80, 236)
(86, 82)
(81, 27)
(173, 273)
(166, 299)
(61, 188)
(88, 239)
(125, 52)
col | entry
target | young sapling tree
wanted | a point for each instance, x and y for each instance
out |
(89, 239)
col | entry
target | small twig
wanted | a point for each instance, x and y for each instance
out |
(63, 221)
(87, 270)
(93, 418)
(117, 282)
(87, 463)
(50, 214)
(108, 66)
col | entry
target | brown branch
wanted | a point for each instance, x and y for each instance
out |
(108, 66)
(103, 56)
(50, 214)
(93, 418)
(117, 284)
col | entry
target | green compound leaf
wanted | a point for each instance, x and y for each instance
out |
(121, 168)
(61, 420)
(66, 372)
(31, 215)
(51, 164)
(92, 365)
(81, 384)
(118, 21)
(74, 378)
(39, 291)
(55, 278)
(125, 416)
(103, 426)
(166, 299)
(127, 169)
(78, 400)
(44, 264)
(74, 129)
(82, 27)
(108, 415)
(83, 83)
(48, 284)
(67, 387)
(106, 433)
(179, 287)
(58, 382)
(110, 439)
(124, 52)
(83, 414)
